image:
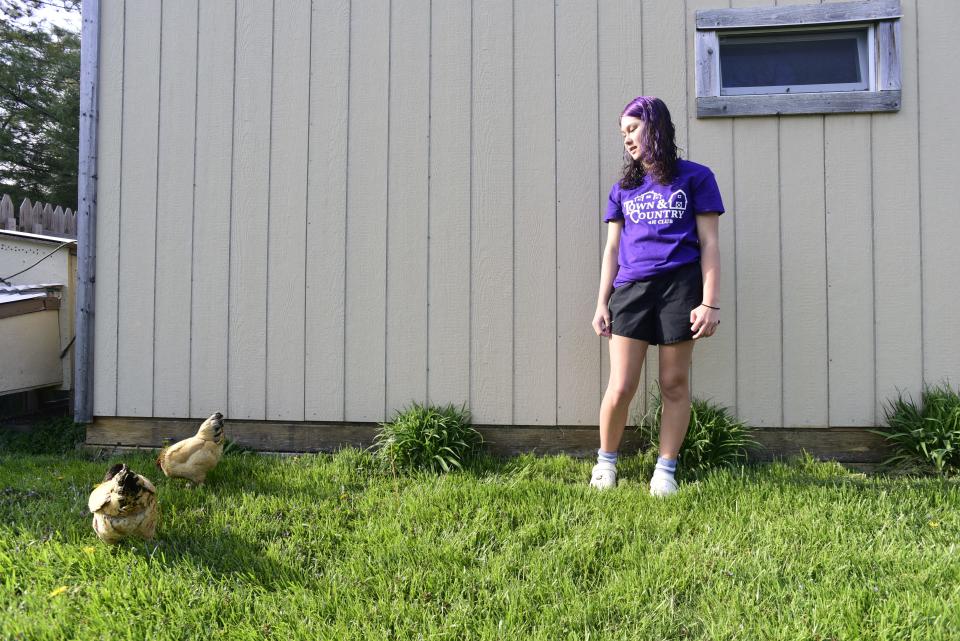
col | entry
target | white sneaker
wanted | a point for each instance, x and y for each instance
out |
(604, 476)
(662, 486)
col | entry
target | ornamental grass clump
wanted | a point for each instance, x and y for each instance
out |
(924, 437)
(425, 437)
(715, 438)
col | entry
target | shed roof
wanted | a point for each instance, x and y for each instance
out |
(16, 293)
(41, 237)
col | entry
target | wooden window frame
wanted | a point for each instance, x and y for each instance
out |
(883, 15)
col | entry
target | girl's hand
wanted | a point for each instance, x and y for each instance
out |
(704, 321)
(601, 321)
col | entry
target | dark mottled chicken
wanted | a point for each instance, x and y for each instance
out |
(123, 505)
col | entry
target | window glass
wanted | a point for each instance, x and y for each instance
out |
(784, 63)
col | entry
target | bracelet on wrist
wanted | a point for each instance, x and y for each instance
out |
(710, 306)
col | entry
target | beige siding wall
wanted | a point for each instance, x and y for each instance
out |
(326, 210)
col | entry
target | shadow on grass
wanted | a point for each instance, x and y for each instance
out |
(290, 477)
(33, 518)
(806, 471)
(217, 527)
(797, 470)
(221, 554)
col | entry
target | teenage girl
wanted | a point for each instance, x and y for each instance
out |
(659, 282)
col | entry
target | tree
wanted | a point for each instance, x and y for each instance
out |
(39, 105)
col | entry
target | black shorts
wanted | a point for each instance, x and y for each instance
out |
(657, 310)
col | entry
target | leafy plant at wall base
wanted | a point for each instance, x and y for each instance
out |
(232, 448)
(424, 437)
(50, 436)
(715, 438)
(925, 437)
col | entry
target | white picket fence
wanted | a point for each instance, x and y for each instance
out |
(38, 218)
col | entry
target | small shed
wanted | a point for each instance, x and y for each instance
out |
(309, 214)
(36, 311)
(30, 337)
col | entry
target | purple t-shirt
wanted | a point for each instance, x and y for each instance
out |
(660, 232)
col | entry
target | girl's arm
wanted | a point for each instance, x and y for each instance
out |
(609, 266)
(703, 319)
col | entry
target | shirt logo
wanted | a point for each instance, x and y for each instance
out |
(651, 207)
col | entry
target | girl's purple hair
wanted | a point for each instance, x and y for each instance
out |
(658, 148)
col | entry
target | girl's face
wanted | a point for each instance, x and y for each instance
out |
(631, 128)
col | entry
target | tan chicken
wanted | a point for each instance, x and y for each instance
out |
(124, 504)
(194, 457)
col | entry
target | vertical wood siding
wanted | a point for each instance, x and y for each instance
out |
(756, 171)
(710, 142)
(898, 291)
(578, 242)
(409, 202)
(213, 184)
(491, 220)
(175, 213)
(535, 209)
(287, 211)
(938, 142)
(325, 242)
(109, 159)
(850, 339)
(850, 285)
(249, 210)
(138, 209)
(367, 209)
(448, 281)
(803, 273)
(326, 210)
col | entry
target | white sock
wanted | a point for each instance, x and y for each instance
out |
(665, 468)
(606, 457)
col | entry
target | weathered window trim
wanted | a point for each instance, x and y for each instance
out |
(883, 15)
(831, 13)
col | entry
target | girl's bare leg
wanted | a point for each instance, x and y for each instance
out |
(675, 394)
(626, 363)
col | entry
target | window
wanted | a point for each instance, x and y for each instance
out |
(795, 62)
(839, 57)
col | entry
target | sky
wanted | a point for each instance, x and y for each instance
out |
(66, 19)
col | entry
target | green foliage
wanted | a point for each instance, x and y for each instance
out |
(53, 436)
(437, 439)
(39, 106)
(714, 439)
(232, 448)
(925, 437)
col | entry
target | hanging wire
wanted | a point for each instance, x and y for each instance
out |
(6, 281)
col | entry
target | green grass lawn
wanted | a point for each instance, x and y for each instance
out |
(323, 547)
